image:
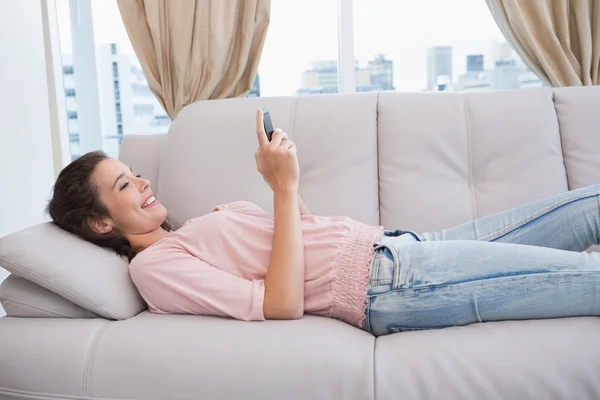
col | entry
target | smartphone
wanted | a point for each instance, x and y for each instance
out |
(267, 123)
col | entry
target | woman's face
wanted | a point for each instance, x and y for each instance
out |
(128, 198)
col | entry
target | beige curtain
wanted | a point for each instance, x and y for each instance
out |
(194, 50)
(558, 39)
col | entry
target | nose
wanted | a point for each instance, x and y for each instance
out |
(143, 184)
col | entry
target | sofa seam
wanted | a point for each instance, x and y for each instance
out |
(377, 158)
(374, 370)
(469, 156)
(560, 139)
(89, 356)
(55, 396)
(159, 154)
(293, 117)
(15, 266)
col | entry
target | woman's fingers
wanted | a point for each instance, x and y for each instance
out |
(260, 129)
(278, 137)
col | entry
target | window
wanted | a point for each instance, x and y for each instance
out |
(435, 45)
(395, 45)
(91, 70)
(301, 50)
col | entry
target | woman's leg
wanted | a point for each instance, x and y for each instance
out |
(433, 284)
(567, 221)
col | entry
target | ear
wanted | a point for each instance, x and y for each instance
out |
(100, 225)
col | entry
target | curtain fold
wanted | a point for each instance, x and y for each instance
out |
(558, 39)
(194, 50)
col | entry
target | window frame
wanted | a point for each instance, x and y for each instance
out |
(346, 62)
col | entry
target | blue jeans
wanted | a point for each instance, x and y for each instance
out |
(524, 263)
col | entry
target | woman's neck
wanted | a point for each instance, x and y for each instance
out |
(145, 240)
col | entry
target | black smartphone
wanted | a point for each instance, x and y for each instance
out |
(267, 123)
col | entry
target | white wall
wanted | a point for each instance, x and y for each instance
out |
(26, 158)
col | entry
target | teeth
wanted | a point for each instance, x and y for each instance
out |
(149, 201)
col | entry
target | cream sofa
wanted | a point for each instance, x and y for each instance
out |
(419, 161)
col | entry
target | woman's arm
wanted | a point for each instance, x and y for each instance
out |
(303, 209)
(284, 283)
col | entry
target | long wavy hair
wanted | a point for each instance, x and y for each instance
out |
(75, 202)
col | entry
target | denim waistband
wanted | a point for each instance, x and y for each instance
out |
(397, 235)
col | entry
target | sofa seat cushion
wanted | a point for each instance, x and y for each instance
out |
(154, 356)
(536, 359)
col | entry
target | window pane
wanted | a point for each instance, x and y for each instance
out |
(410, 45)
(301, 52)
(122, 102)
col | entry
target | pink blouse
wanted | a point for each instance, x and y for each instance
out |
(216, 265)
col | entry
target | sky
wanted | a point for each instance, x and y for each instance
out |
(303, 31)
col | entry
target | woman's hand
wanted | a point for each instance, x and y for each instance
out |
(276, 160)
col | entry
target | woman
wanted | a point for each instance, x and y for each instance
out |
(242, 262)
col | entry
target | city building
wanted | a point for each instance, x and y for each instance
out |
(126, 104)
(472, 81)
(381, 74)
(255, 91)
(502, 51)
(322, 78)
(475, 78)
(509, 72)
(439, 67)
(475, 63)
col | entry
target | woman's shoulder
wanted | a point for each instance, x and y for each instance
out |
(164, 251)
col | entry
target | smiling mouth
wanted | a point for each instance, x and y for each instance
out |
(151, 200)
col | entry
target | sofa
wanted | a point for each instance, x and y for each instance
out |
(416, 161)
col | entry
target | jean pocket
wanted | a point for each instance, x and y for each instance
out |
(388, 267)
(382, 266)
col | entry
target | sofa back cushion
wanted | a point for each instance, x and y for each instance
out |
(208, 157)
(578, 115)
(446, 158)
(81, 272)
(141, 153)
(24, 299)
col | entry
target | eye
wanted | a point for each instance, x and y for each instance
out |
(127, 183)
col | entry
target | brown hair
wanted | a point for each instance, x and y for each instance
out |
(76, 201)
